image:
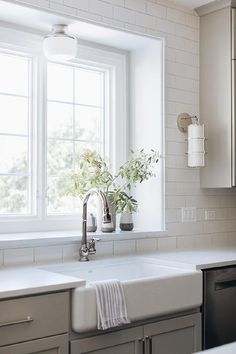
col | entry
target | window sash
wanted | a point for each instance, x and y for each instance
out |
(30, 175)
(114, 66)
(74, 142)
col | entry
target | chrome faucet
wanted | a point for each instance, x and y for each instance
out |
(85, 249)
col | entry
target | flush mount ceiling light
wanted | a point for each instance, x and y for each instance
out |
(58, 45)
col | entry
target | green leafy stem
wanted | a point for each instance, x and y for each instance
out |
(93, 171)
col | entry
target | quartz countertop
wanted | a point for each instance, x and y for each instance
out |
(224, 349)
(31, 280)
(197, 259)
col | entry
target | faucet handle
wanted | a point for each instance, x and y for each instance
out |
(92, 244)
(95, 239)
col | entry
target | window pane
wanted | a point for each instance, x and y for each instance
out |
(88, 87)
(13, 151)
(13, 195)
(60, 83)
(75, 124)
(60, 120)
(58, 201)
(14, 114)
(60, 157)
(14, 73)
(88, 123)
(16, 146)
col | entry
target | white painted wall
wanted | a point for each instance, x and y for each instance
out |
(180, 29)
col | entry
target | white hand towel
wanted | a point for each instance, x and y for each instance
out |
(111, 305)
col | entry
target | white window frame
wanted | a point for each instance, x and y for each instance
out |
(115, 64)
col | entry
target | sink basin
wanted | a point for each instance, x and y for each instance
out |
(123, 271)
(150, 289)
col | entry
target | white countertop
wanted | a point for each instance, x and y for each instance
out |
(30, 280)
(224, 349)
(197, 259)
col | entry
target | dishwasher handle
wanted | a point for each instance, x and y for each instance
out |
(227, 284)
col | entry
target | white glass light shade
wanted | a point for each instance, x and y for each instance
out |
(60, 47)
(196, 145)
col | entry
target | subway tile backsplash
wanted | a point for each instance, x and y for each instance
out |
(70, 252)
(46, 254)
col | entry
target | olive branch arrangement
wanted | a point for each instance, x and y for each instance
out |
(93, 171)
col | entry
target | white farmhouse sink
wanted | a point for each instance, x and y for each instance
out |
(150, 289)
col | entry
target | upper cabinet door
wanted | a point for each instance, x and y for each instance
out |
(233, 33)
(216, 98)
(233, 133)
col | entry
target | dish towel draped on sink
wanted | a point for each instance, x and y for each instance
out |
(111, 305)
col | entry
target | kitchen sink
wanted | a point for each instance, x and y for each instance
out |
(124, 271)
(150, 289)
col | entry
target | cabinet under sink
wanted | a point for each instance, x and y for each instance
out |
(181, 335)
(50, 331)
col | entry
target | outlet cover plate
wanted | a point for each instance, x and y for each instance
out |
(189, 214)
(210, 214)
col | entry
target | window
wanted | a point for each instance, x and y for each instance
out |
(16, 119)
(49, 114)
(107, 99)
(75, 122)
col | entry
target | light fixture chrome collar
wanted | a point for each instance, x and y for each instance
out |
(59, 31)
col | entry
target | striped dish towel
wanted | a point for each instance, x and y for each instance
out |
(111, 305)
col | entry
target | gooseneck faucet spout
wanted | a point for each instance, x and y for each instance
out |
(84, 251)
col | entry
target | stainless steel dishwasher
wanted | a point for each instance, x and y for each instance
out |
(219, 306)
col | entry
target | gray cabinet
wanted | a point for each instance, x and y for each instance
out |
(217, 93)
(175, 336)
(40, 325)
(33, 317)
(126, 341)
(35, 324)
(52, 345)
(180, 335)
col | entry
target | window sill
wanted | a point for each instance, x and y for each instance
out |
(34, 239)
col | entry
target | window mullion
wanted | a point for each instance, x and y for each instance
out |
(30, 142)
(33, 121)
(74, 135)
(42, 140)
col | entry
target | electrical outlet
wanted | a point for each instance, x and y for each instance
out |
(189, 214)
(210, 214)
